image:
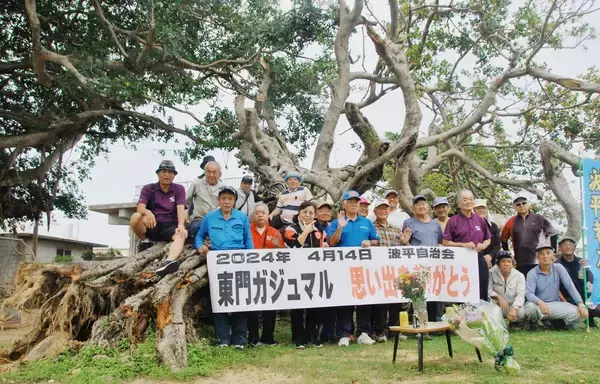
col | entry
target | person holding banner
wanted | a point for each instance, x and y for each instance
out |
(425, 231)
(469, 230)
(227, 229)
(352, 230)
(305, 233)
(263, 237)
(542, 291)
(389, 236)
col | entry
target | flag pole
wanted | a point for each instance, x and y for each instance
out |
(584, 249)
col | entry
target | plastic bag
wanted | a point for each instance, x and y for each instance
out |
(482, 325)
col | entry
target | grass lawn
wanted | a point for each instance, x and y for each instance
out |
(545, 356)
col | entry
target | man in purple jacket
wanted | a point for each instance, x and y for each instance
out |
(469, 230)
(161, 215)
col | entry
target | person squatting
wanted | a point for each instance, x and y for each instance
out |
(536, 285)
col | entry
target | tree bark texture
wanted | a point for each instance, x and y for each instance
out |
(104, 302)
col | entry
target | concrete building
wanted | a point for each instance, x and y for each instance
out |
(49, 247)
(15, 249)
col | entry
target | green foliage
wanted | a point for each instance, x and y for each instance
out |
(87, 255)
(120, 75)
(549, 361)
(63, 259)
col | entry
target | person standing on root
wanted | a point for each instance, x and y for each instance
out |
(441, 209)
(291, 198)
(203, 193)
(469, 230)
(352, 230)
(160, 215)
(304, 233)
(247, 197)
(525, 230)
(227, 229)
(389, 236)
(263, 237)
(425, 232)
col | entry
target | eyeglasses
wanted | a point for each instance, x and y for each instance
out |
(521, 204)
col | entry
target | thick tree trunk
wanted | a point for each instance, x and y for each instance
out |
(561, 189)
(104, 302)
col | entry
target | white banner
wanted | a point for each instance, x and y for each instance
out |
(267, 279)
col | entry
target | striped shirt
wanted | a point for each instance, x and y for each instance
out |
(389, 235)
(290, 201)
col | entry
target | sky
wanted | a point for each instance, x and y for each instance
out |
(114, 178)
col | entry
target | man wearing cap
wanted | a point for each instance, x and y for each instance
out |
(396, 216)
(389, 236)
(227, 229)
(246, 196)
(490, 252)
(507, 288)
(202, 194)
(160, 215)
(363, 208)
(291, 198)
(424, 232)
(352, 230)
(441, 208)
(323, 217)
(525, 229)
(469, 230)
(542, 291)
(575, 267)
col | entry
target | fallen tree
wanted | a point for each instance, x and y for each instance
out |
(104, 302)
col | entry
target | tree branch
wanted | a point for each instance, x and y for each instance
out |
(341, 89)
(525, 184)
(566, 82)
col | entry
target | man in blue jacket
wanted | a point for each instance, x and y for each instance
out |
(352, 230)
(227, 228)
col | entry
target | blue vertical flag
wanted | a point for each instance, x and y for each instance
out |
(591, 204)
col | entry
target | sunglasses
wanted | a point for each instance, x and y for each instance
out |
(520, 204)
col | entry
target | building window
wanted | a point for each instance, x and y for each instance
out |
(63, 252)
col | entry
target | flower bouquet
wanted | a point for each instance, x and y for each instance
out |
(412, 285)
(483, 326)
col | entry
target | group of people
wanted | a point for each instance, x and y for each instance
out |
(220, 217)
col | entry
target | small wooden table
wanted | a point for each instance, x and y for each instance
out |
(437, 326)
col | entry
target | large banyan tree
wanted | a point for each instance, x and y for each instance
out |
(477, 108)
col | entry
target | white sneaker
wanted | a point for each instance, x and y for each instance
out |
(344, 342)
(402, 337)
(364, 339)
(381, 338)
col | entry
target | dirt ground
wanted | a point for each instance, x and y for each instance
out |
(10, 334)
(236, 377)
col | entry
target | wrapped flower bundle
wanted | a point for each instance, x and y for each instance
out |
(483, 327)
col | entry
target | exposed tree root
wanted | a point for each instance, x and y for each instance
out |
(104, 302)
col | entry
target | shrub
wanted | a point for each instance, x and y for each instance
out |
(88, 255)
(63, 259)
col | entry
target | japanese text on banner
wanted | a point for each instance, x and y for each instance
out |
(591, 203)
(252, 280)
